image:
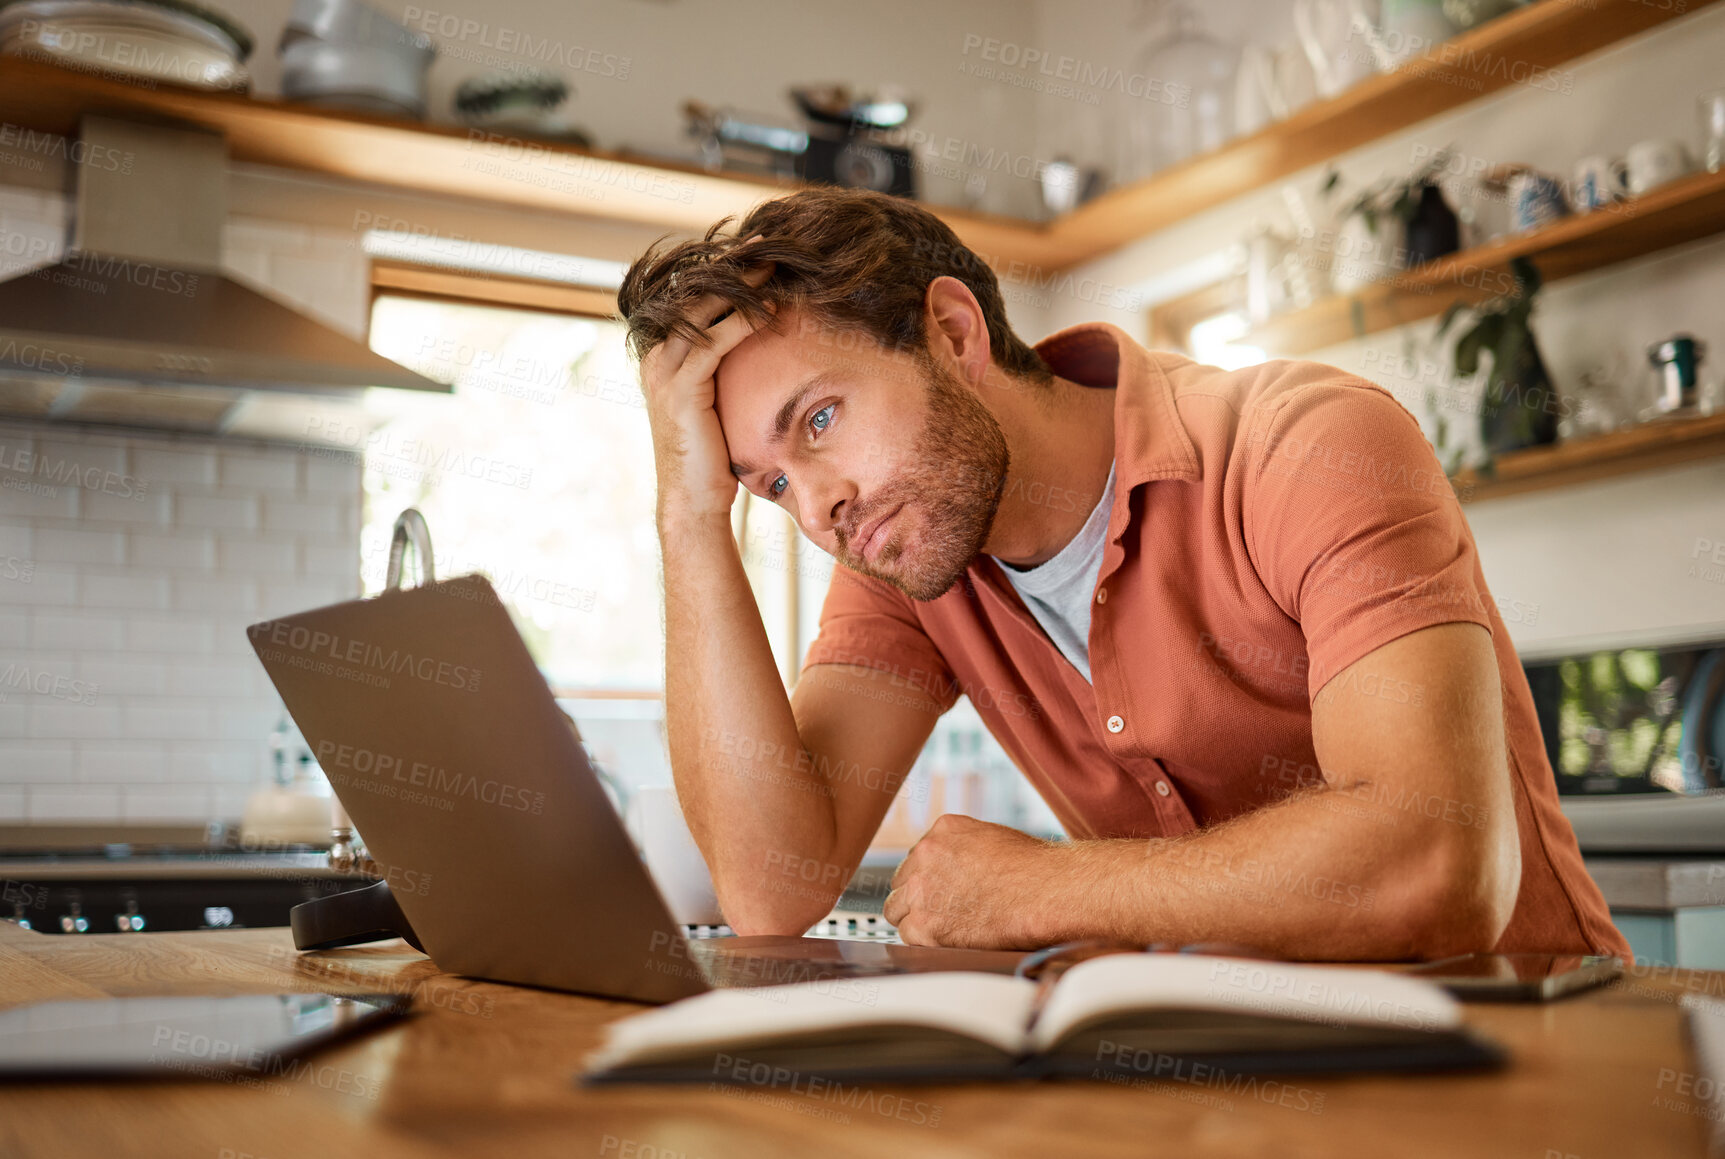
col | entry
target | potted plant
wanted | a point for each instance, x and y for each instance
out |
(1519, 406)
(1408, 212)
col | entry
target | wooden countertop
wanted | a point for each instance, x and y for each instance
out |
(485, 1070)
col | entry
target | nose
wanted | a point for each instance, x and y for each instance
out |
(823, 502)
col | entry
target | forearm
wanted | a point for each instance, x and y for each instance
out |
(1330, 874)
(743, 776)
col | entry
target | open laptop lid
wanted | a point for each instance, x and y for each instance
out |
(441, 739)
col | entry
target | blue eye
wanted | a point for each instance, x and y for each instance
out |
(823, 418)
(777, 486)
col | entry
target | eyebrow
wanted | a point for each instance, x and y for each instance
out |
(788, 415)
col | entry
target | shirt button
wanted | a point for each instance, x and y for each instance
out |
(1115, 724)
(1102, 596)
(1162, 787)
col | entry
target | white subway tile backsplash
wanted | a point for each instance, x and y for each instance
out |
(168, 466)
(55, 720)
(23, 496)
(184, 634)
(30, 762)
(274, 473)
(100, 762)
(218, 512)
(125, 590)
(140, 605)
(189, 550)
(69, 545)
(215, 594)
(274, 556)
(286, 599)
(16, 540)
(121, 675)
(61, 459)
(227, 762)
(159, 803)
(311, 517)
(215, 678)
(332, 473)
(244, 723)
(80, 632)
(82, 803)
(167, 718)
(339, 562)
(147, 508)
(49, 586)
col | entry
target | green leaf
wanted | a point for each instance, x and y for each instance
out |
(1483, 336)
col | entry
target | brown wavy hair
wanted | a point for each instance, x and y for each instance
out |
(851, 258)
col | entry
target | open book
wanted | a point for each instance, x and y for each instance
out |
(1121, 1017)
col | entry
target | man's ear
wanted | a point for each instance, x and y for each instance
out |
(957, 331)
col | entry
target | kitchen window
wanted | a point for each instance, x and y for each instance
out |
(538, 472)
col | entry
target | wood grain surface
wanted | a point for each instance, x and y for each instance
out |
(486, 1070)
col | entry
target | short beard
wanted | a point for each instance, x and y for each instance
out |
(955, 484)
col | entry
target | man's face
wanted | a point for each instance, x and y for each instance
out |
(887, 461)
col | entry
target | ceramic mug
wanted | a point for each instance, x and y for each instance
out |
(1403, 29)
(1656, 161)
(1534, 200)
(1599, 181)
(673, 859)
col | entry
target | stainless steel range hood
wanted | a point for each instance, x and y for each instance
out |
(139, 325)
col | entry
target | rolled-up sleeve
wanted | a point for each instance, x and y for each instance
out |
(871, 624)
(1352, 525)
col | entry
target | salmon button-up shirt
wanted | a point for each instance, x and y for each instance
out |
(1270, 527)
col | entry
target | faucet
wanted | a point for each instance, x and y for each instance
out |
(409, 529)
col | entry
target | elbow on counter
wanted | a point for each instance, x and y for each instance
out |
(754, 907)
(1471, 880)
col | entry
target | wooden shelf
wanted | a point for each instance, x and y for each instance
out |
(1687, 209)
(1522, 46)
(1518, 48)
(449, 159)
(1641, 448)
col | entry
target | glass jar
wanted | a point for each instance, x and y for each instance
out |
(1179, 96)
(1713, 129)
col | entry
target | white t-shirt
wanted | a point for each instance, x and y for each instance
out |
(1058, 591)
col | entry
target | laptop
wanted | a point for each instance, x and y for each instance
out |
(474, 793)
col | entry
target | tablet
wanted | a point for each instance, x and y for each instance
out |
(249, 1035)
(1518, 977)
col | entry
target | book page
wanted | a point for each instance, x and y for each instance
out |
(991, 1008)
(1332, 995)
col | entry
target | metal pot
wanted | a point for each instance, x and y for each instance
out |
(346, 54)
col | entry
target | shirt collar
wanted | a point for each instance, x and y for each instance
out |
(1150, 441)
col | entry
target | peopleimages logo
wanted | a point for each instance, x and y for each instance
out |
(333, 757)
(331, 655)
(21, 677)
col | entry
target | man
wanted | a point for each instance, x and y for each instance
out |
(1231, 625)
